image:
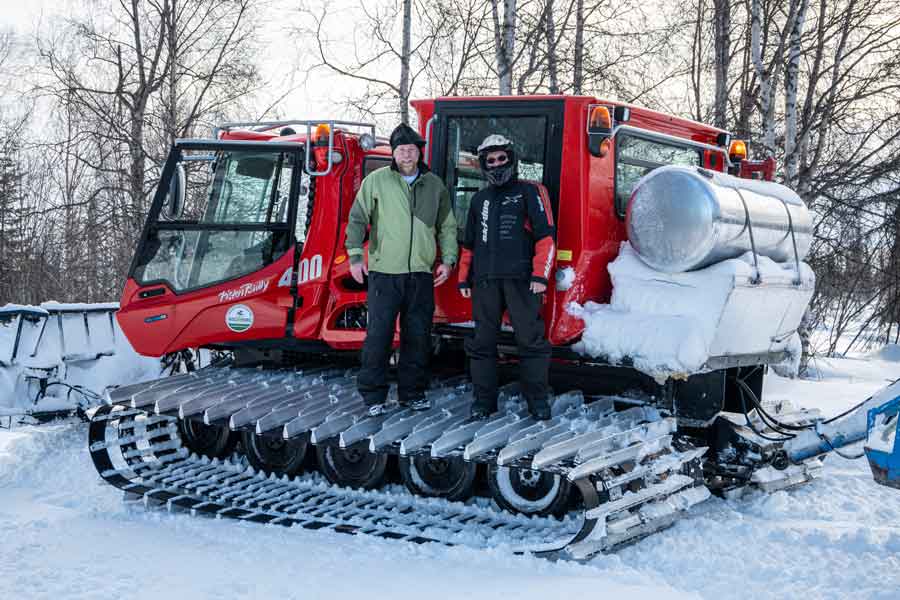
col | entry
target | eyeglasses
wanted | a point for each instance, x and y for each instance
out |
(497, 160)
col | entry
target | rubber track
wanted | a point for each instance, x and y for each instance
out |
(226, 490)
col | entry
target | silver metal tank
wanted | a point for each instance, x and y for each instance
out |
(684, 218)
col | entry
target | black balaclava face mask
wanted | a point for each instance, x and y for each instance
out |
(500, 174)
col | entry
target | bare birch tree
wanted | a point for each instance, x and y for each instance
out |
(551, 42)
(578, 59)
(374, 56)
(124, 85)
(762, 27)
(504, 43)
(792, 73)
(722, 40)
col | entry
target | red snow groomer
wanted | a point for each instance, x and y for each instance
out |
(658, 380)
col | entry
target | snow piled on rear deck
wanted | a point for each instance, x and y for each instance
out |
(670, 324)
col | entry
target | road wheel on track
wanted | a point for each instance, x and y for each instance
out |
(452, 478)
(274, 454)
(528, 491)
(213, 441)
(354, 467)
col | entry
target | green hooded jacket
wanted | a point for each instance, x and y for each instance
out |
(404, 220)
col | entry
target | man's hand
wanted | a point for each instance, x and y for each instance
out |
(441, 274)
(358, 271)
(538, 288)
(466, 292)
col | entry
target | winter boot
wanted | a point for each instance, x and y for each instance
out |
(377, 409)
(479, 414)
(420, 404)
(539, 408)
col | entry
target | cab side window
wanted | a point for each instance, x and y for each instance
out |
(637, 156)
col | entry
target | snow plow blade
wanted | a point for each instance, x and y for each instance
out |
(632, 478)
(47, 356)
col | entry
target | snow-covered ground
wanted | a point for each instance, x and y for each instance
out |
(65, 534)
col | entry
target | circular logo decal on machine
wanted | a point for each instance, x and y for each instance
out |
(239, 318)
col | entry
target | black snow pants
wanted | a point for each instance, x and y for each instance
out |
(411, 297)
(489, 298)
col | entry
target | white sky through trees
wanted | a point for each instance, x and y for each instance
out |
(294, 92)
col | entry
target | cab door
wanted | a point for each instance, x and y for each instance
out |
(214, 272)
(535, 128)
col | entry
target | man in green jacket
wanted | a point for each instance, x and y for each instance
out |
(404, 207)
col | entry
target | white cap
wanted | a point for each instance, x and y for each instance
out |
(495, 140)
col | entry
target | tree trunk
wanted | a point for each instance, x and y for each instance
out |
(747, 94)
(504, 43)
(697, 61)
(136, 173)
(722, 34)
(550, 32)
(404, 61)
(172, 38)
(578, 75)
(803, 330)
(790, 94)
(765, 83)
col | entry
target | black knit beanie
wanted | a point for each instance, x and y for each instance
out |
(404, 134)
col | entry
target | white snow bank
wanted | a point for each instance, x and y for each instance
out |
(671, 324)
(890, 352)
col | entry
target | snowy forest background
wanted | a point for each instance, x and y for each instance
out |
(92, 97)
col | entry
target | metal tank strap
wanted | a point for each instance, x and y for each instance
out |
(798, 281)
(758, 278)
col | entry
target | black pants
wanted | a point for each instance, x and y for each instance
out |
(411, 297)
(489, 298)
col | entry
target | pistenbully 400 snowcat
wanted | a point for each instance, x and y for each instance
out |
(243, 254)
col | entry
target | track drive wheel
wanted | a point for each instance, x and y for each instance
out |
(213, 441)
(528, 491)
(273, 454)
(452, 478)
(354, 467)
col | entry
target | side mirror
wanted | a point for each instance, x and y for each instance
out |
(173, 208)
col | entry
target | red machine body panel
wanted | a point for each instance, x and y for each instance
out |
(589, 233)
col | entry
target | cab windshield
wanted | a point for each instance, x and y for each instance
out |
(234, 220)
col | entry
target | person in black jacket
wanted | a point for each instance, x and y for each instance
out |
(507, 256)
